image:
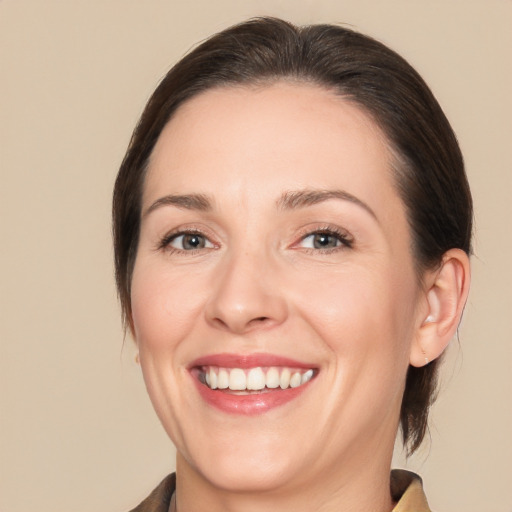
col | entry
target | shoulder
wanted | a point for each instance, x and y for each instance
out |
(160, 498)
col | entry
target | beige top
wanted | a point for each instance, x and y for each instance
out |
(406, 490)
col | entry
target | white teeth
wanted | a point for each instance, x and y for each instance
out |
(223, 379)
(213, 378)
(272, 379)
(295, 380)
(306, 377)
(284, 381)
(256, 379)
(237, 380)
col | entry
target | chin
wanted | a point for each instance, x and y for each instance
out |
(245, 463)
(264, 474)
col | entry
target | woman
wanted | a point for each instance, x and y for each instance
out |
(292, 226)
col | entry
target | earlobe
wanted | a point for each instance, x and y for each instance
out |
(446, 296)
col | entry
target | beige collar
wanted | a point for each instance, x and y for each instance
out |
(407, 490)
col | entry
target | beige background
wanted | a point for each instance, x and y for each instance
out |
(77, 431)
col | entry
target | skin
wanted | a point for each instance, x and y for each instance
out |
(259, 285)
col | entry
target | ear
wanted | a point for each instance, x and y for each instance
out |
(446, 294)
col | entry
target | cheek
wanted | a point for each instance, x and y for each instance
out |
(163, 306)
(364, 312)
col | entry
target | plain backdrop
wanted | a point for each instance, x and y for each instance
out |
(77, 431)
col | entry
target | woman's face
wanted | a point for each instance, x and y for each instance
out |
(274, 251)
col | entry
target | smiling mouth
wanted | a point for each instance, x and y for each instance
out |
(246, 381)
(250, 384)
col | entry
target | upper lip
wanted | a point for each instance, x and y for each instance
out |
(227, 360)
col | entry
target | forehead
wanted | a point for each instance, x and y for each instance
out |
(290, 136)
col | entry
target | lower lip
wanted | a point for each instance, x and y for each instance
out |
(256, 403)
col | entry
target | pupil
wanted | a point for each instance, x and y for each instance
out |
(192, 242)
(323, 240)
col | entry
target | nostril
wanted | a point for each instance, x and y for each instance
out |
(220, 323)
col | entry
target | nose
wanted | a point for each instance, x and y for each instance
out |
(246, 295)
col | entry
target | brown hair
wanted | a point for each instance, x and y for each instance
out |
(429, 168)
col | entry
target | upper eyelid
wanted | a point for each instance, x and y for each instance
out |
(329, 229)
(341, 236)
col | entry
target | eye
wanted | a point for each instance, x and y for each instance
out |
(187, 242)
(325, 240)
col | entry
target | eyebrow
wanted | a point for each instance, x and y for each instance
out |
(291, 200)
(198, 202)
(303, 198)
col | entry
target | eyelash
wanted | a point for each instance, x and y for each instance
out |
(345, 239)
(165, 243)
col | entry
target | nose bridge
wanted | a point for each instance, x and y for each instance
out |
(246, 294)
